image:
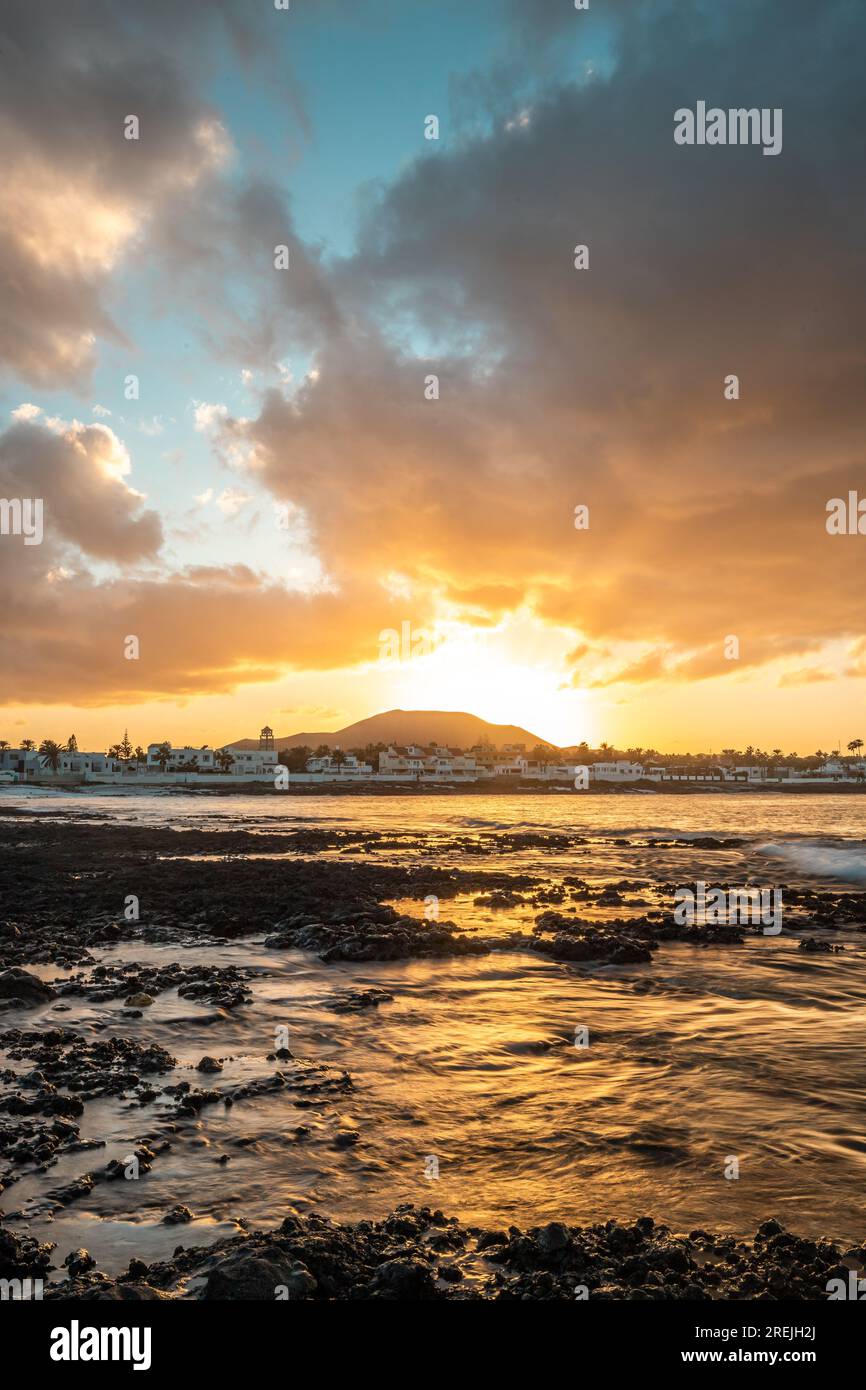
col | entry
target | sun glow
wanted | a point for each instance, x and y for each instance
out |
(494, 674)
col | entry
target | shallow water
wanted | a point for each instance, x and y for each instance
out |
(704, 1055)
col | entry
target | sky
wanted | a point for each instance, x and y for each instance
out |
(246, 468)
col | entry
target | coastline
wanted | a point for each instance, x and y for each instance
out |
(496, 786)
(65, 946)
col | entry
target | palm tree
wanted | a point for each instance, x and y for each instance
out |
(295, 759)
(224, 760)
(72, 744)
(27, 745)
(140, 755)
(50, 753)
(4, 743)
(163, 756)
(855, 745)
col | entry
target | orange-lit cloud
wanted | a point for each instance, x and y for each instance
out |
(557, 387)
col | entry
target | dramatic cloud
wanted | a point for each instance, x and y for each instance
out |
(605, 386)
(77, 472)
(76, 195)
(201, 629)
(556, 386)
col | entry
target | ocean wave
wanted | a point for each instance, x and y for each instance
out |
(479, 823)
(830, 861)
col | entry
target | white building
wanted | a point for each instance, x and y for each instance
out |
(402, 762)
(349, 766)
(79, 762)
(202, 757)
(255, 762)
(20, 760)
(437, 762)
(29, 762)
(620, 771)
(533, 769)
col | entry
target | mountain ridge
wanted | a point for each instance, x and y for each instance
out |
(451, 728)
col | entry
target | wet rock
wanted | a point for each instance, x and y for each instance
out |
(103, 1290)
(553, 1237)
(178, 1216)
(403, 1279)
(21, 989)
(108, 1066)
(491, 1238)
(209, 1064)
(499, 900)
(79, 1262)
(22, 1257)
(81, 1187)
(298, 1283)
(354, 1000)
(311, 1257)
(767, 1229)
(251, 1275)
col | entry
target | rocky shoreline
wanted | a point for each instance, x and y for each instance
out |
(420, 1254)
(64, 888)
(493, 786)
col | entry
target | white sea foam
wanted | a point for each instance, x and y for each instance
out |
(830, 861)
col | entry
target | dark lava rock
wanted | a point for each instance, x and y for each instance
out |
(20, 988)
(209, 1064)
(348, 1001)
(502, 899)
(553, 1237)
(491, 1238)
(617, 941)
(81, 1187)
(178, 1216)
(100, 1289)
(403, 1279)
(249, 1275)
(310, 1257)
(107, 1067)
(22, 1257)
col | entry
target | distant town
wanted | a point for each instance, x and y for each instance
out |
(65, 764)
